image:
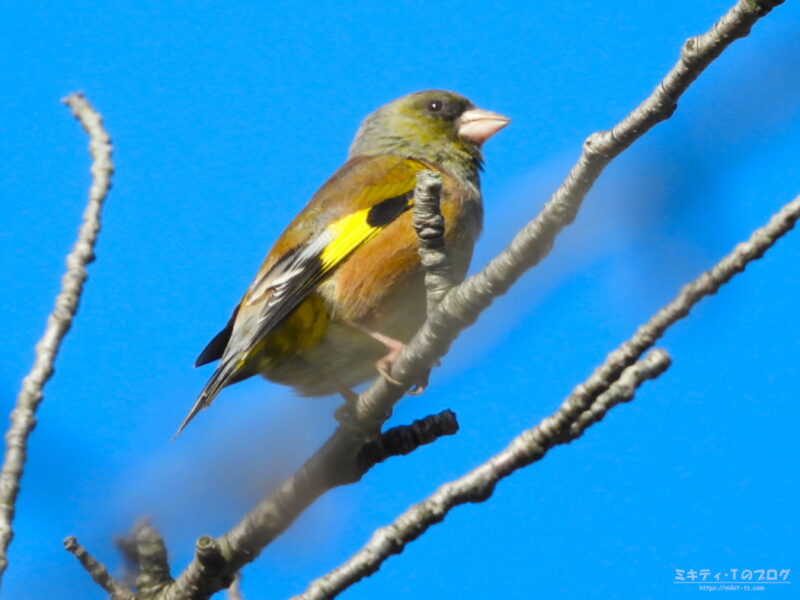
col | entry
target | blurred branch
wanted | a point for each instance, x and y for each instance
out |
(478, 485)
(128, 547)
(336, 462)
(212, 568)
(613, 382)
(153, 565)
(235, 590)
(344, 459)
(58, 323)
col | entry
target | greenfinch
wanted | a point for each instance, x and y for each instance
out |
(342, 289)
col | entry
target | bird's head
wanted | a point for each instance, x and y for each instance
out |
(434, 125)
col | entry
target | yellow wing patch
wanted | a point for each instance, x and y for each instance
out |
(355, 229)
(348, 234)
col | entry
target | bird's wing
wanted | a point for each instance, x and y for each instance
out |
(372, 206)
(355, 205)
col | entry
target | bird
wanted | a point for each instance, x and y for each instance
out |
(342, 289)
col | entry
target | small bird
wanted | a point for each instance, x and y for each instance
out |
(342, 289)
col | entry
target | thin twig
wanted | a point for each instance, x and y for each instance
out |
(706, 284)
(58, 323)
(478, 485)
(98, 572)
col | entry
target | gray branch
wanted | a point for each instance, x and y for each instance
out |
(478, 485)
(344, 459)
(23, 417)
(429, 225)
(151, 562)
(235, 590)
(465, 302)
(98, 572)
(336, 462)
(612, 382)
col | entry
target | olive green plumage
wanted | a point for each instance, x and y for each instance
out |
(407, 127)
(343, 282)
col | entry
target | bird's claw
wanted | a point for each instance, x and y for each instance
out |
(420, 386)
(384, 367)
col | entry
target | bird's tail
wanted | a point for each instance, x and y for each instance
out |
(226, 373)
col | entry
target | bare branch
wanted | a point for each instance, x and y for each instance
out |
(429, 225)
(612, 382)
(58, 323)
(706, 284)
(406, 438)
(478, 485)
(151, 557)
(98, 572)
(465, 302)
(128, 547)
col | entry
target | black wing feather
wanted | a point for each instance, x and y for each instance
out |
(215, 348)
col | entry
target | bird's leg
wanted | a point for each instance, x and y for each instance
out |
(384, 365)
(350, 397)
(395, 347)
(344, 414)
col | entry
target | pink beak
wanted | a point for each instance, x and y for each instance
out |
(478, 125)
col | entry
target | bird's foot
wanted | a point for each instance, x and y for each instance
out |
(350, 397)
(345, 413)
(395, 347)
(384, 365)
(421, 385)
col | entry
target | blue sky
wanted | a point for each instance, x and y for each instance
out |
(227, 117)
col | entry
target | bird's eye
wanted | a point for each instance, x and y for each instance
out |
(435, 105)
